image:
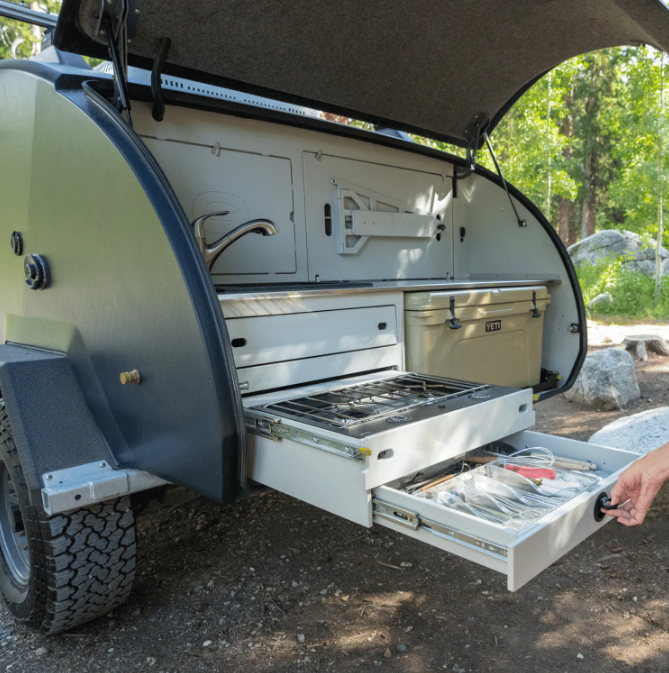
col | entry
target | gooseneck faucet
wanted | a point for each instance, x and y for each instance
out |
(212, 252)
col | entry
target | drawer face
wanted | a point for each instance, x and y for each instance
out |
(280, 338)
(521, 556)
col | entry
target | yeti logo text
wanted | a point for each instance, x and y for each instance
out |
(493, 326)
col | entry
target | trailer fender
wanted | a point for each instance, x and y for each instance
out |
(52, 424)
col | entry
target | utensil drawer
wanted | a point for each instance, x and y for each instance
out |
(523, 555)
(263, 340)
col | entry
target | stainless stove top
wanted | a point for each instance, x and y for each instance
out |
(367, 408)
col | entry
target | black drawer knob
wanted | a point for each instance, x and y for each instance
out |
(603, 502)
(36, 272)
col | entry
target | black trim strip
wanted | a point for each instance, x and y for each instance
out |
(196, 277)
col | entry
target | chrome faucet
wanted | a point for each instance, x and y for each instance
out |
(212, 252)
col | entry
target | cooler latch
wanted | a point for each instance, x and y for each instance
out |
(454, 322)
(535, 310)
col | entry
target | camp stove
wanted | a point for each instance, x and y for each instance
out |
(366, 408)
(403, 419)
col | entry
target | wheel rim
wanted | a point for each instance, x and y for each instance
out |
(13, 537)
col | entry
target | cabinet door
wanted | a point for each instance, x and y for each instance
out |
(246, 185)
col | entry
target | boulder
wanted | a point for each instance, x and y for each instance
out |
(639, 433)
(612, 244)
(600, 301)
(639, 344)
(607, 381)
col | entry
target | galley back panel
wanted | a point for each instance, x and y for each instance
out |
(256, 169)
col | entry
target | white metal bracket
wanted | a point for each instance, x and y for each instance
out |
(87, 484)
(361, 213)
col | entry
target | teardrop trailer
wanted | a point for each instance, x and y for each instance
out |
(147, 340)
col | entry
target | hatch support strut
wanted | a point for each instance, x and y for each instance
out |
(521, 222)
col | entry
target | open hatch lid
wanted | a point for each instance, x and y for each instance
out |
(427, 67)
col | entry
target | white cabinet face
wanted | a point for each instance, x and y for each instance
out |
(248, 186)
(370, 221)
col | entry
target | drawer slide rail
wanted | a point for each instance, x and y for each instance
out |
(413, 520)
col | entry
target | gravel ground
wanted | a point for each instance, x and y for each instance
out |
(273, 584)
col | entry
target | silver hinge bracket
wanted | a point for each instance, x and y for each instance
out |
(413, 520)
(272, 428)
(87, 484)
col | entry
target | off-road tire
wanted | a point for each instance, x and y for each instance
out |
(81, 563)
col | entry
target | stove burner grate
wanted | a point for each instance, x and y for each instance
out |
(352, 405)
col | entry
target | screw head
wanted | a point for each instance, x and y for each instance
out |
(48, 477)
(103, 464)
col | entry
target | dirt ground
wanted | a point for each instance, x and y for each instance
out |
(235, 588)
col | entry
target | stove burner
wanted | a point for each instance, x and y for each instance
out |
(350, 406)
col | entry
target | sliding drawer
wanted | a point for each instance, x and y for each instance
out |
(523, 555)
(264, 340)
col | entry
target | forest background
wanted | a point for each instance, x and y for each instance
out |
(587, 144)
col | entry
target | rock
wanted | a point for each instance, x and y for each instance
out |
(41, 651)
(600, 301)
(639, 344)
(580, 656)
(613, 244)
(300, 638)
(639, 433)
(388, 654)
(401, 647)
(151, 661)
(607, 381)
(206, 643)
(458, 669)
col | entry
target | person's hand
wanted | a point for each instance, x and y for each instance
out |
(638, 485)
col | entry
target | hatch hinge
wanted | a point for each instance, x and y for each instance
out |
(473, 134)
(521, 222)
(272, 428)
(414, 521)
(118, 21)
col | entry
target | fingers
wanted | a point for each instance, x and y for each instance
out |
(619, 491)
(628, 515)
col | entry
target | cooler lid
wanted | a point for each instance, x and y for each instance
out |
(428, 67)
(428, 301)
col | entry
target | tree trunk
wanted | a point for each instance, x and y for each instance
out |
(564, 217)
(586, 217)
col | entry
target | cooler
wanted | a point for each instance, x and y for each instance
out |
(488, 335)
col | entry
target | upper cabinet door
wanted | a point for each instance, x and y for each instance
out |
(246, 185)
(369, 221)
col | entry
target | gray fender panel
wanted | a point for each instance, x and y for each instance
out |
(52, 425)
